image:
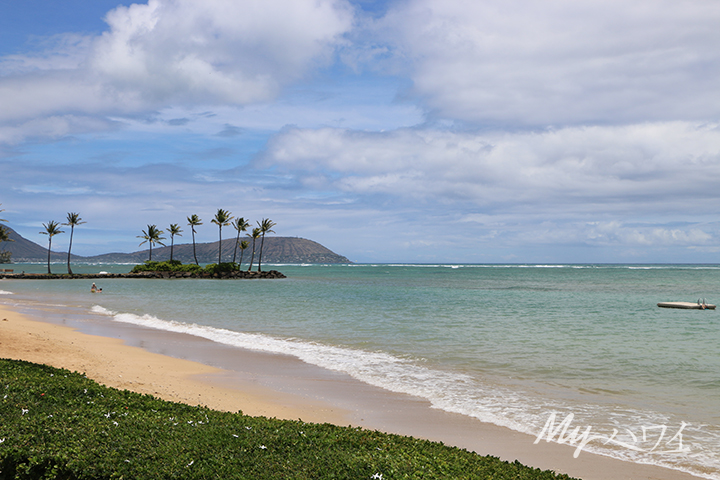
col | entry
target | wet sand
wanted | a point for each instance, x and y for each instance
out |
(196, 371)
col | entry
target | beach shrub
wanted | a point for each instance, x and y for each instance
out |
(60, 425)
(177, 266)
(225, 267)
(167, 266)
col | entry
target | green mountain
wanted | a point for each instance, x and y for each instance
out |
(276, 250)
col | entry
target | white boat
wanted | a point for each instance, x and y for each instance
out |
(687, 305)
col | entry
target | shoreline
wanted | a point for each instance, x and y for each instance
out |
(235, 275)
(186, 369)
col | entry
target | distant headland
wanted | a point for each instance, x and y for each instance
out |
(276, 250)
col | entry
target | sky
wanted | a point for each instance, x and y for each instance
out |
(420, 131)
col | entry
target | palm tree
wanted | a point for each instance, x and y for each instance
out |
(222, 218)
(5, 237)
(51, 229)
(243, 246)
(174, 230)
(73, 219)
(265, 227)
(152, 235)
(255, 234)
(240, 224)
(194, 221)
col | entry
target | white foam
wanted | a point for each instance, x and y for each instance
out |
(449, 391)
(3, 292)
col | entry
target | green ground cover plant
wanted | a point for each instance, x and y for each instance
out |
(177, 266)
(56, 424)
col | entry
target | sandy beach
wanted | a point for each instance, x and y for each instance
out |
(181, 368)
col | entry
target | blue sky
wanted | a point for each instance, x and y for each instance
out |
(389, 131)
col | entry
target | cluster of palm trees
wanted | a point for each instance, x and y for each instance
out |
(52, 228)
(222, 218)
(154, 235)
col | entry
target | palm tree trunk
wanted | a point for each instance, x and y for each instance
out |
(262, 242)
(220, 246)
(237, 239)
(49, 247)
(172, 245)
(242, 252)
(150, 259)
(72, 230)
(252, 258)
(194, 254)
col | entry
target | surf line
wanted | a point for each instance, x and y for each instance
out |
(574, 438)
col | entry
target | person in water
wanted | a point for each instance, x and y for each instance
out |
(94, 288)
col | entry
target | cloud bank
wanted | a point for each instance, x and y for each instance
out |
(520, 63)
(584, 131)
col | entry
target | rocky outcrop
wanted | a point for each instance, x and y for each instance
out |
(245, 275)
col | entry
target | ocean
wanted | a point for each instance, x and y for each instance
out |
(535, 348)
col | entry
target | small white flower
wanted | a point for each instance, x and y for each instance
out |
(235, 435)
(263, 447)
(2, 440)
(116, 423)
(24, 411)
(191, 462)
(377, 476)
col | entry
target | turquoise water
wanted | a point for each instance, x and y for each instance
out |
(508, 344)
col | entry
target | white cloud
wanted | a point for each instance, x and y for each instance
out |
(53, 127)
(521, 62)
(181, 52)
(617, 233)
(638, 170)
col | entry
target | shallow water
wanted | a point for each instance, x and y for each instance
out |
(508, 344)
